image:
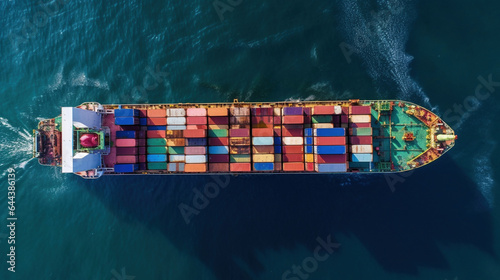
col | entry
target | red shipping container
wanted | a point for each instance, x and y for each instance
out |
(293, 158)
(196, 120)
(142, 150)
(196, 126)
(262, 132)
(240, 167)
(293, 119)
(309, 166)
(141, 134)
(292, 149)
(358, 125)
(126, 142)
(218, 141)
(195, 150)
(277, 132)
(361, 140)
(262, 120)
(126, 159)
(330, 158)
(361, 110)
(345, 110)
(143, 113)
(293, 166)
(344, 118)
(157, 121)
(218, 158)
(262, 111)
(323, 110)
(127, 151)
(156, 134)
(218, 120)
(157, 113)
(277, 166)
(218, 167)
(141, 142)
(195, 133)
(329, 141)
(292, 132)
(239, 132)
(277, 120)
(142, 158)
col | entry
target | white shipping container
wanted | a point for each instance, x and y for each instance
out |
(322, 125)
(277, 111)
(337, 110)
(177, 112)
(196, 158)
(175, 167)
(176, 120)
(360, 118)
(176, 127)
(293, 141)
(196, 112)
(361, 149)
(177, 158)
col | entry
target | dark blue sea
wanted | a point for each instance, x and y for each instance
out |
(440, 222)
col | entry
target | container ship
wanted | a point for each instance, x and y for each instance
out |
(349, 136)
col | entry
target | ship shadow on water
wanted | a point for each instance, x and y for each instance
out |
(436, 205)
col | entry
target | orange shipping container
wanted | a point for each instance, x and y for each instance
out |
(293, 166)
(293, 157)
(218, 167)
(240, 167)
(239, 141)
(195, 133)
(262, 132)
(329, 141)
(157, 121)
(196, 126)
(176, 142)
(195, 167)
(293, 120)
(239, 150)
(263, 149)
(215, 112)
(173, 134)
(157, 113)
(293, 149)
(196, 120)
(156, 133)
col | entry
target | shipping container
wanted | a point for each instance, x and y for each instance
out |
(344, 119)
(337, 110)
(323, 125)
(309, 158)
(197, 126)
(218, 141)
(293, 141)
(218, 158)
(175, 127)
(308, 141)
(126, 121)
(157, 158)
(177, 158)
(242, 132)
(218, 150)
(361, 140)
(240, 158)
(323, 110)
(126, 113)
(293, 157)
(125, 168)
(126, 134)
(157, 127)
(277, 120)
(292, 131)
(218, 126)
(196, 112)
(143, 113)
(195, 133)
(293, 149)
(218, 167)
(330, 158)
(157, 121)
(175, 150)
(293, 119)
(157, 142)
(143, 121)
(156, 133)
(237, 111)
(141, 142)
(331, 167)
(262, 111)
(308, 149)
(263, 158)
(360, 118)
(330, 141)
(262, 141)
(126, 142)
(329, 150)
(157, 113)
(126, 159)
(307, 132)
(360, 110)
(262, 132)
(176, 121)
(176, 112)
(361, 149)
(362, 157)
(277, 132)
(157, 166)
(269, 149)
(218, 120)
(262, 121)
(157, 150)
(142, 158)
(263, 166)
(239, 150)
(322, 119)
(196, 158)
(142, 150)
(176, 142)
(310, 166)
(196, 142)
(239, 141)
(329, 132)
(176, 167)
(293, 166)
(240, 167)
(240, 120)
(196, 120)
(296, 111)
(359, 125)
(127, 151)
(174, 133)
(217, 112)
(195, 150)
(362, 131)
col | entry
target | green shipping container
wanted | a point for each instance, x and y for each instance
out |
(176, 150)
(157, 165)
(217, 133)
(322, 119)
(157, 150)
(240, 158)
(157, 142)
(362, 131)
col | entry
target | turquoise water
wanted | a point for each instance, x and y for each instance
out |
(440, 222)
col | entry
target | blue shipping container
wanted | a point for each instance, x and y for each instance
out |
(124, 168)
(157, 158)
(309, 149)
(331, 167)
(126, 113)
(218, 150)
(143, 121)
(126, 121)
(262, 141)
(309, 141)
(196, 141)
(362, 157)
(125, 134)
(293, 111)
(263, 166)
(277, 140)
(157, 127)
(308, 132)
(330, 132)
(277, 149)
(330, 150)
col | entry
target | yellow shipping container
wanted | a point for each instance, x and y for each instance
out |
(309, 157)
(218, 126)
(263, 158)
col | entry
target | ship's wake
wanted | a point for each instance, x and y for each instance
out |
(377, 32)
(16, 146)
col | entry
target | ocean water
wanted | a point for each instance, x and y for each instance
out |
(439, 222)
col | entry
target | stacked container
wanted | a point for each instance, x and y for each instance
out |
(361, 136)
(126, 117)
(278, 157)
(262, 139)
(127, 154)
(330, 149)
(218, 141)
(292, 138)
(175, 141)
(156, 151)
(239, 139)
(195, 137)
